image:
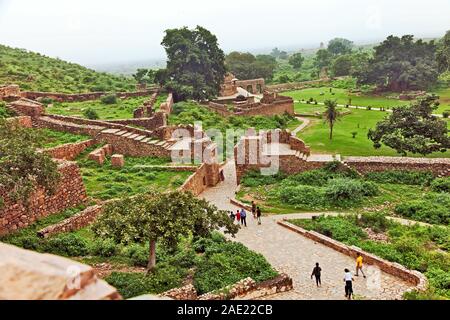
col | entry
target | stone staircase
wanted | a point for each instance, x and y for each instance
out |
(301, 155)
(444, 173)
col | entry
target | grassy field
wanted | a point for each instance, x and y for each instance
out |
(36, 72)
(343, 96)
(52, 138)
(316, 135)
(106, 182)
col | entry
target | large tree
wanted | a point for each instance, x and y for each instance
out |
(246, 66)
(195, 64)
(340, 46)
(296, 60)
(160, 217)
(413, 129)
(402, 64)
(443, 53)
(322, 59)
(22, 167)
(342, 65)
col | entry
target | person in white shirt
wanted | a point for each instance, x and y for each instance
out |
(348, 279)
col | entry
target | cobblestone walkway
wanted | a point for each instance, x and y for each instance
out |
(296, 255)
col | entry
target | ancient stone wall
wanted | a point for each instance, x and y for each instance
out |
(69, 151)
(166, 106)
(78, 97)
(23, 121)
(27, 107)
(438, 166)
(395, 269)
(159, 119)
(254, 86)
(69, 193)
(28, 275)
(9, 91)
(207, 175)
(78, 221)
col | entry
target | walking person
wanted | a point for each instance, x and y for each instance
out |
(359, 265)
(258, 215)
(316, 273)
(238, 216)
(348, 279)
(232, 215)
(253, 209)
(243, 217)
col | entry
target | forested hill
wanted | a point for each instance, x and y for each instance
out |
(36, 72)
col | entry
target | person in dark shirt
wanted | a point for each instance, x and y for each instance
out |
(258, 215)
(253, 209)
(316, 273)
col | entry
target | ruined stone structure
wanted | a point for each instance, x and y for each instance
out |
(147, 109)
(70, 192)
(27, 107)
(271, 104)
(69, 151)
(166, 106)
(9, 92)
(231, 84)
(28, 275)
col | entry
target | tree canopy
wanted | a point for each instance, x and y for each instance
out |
(296, 60)
(323, 58)
(22, 167)
(413, 129)
(195, 64)
(144, 75)
(342, 65)
(246, 66)
(340, 46)
(401, 64)
(443, 53)
(160, 217)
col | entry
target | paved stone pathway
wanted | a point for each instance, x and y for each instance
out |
(295, 255)
(305, 123)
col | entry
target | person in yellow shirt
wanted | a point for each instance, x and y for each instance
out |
(359, 265)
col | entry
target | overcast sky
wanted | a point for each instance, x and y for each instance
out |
(105, 31)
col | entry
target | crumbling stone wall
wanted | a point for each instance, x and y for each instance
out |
(27, 107)
(70, 192)
(69, 151)
(9, 92)
(254, 86)
(207, 175)
(23, 121)
(159, 119)
(438, 166)
(166, 106)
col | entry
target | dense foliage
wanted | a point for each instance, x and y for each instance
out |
(22, 168)
(246, 66)
(413, 129)
(195, 64)
(36, 72)
(402, 64)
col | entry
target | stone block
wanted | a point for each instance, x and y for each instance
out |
(117, 160)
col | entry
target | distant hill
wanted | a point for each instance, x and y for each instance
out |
(129, 68)
(37, 72)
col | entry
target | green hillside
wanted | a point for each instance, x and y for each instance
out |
(36, 72)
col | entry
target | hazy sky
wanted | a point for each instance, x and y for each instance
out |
(104, 31)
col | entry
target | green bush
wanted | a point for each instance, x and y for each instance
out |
(91, 114)
(425, 210)
(441, 185)
(67, 244)
(254, 178)
(131, 284)
(401, 177)
(226, 263)
(109, 99)
(302, 196)
(344, 190)
(138, 254)
(445, 114)
(374, 220)
(104, 248)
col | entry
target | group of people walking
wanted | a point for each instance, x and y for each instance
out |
(241, 215)
(348, 277)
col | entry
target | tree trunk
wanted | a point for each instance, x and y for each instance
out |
(331, 132)
(152, 256)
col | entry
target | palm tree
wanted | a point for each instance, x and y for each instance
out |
(331, 114)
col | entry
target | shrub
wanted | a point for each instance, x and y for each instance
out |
(46, 100)
(344, 189)
(109, 99)
(445, 114)
(132, 284)
(312, 178)
(104, 248)
(67, 244)
(91, 114)
(401, 177)
(254, 178)
(376, 221)
(441, 185)
(138, 254)
(228, 262)
(423, 210)
(302, 196)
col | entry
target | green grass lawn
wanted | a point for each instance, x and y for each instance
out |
(316, 135)
(342, 96)
(52, 138)
(444, 99)
(123, 109)
(106, 182)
